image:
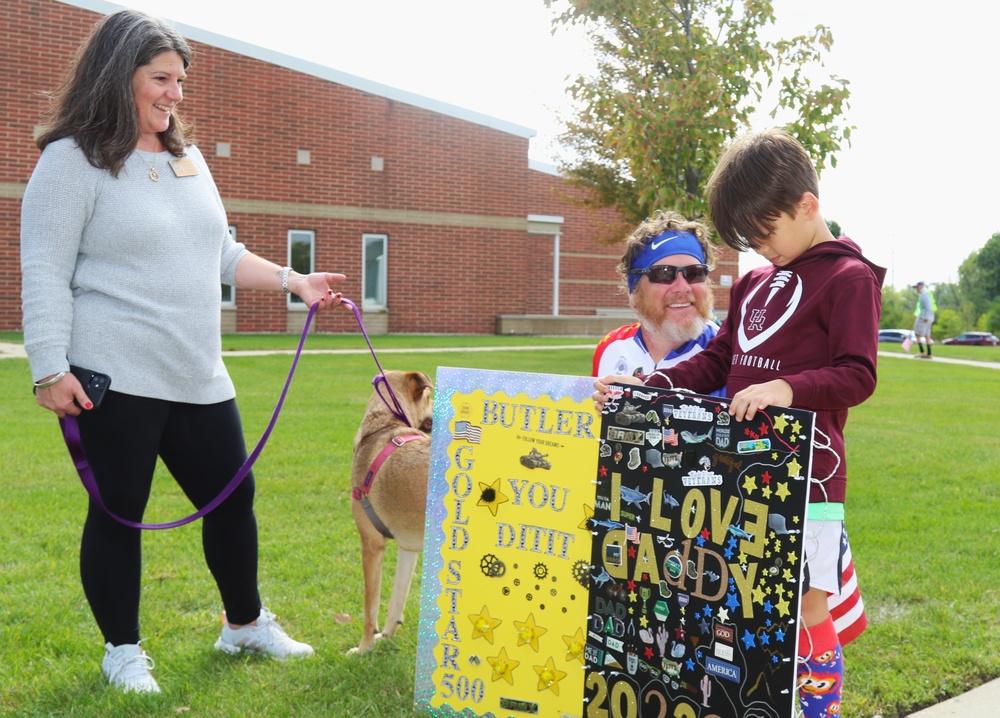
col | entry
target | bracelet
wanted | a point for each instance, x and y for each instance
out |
(284, 279)
(51, 381)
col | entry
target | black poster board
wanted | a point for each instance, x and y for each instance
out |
(697, 558)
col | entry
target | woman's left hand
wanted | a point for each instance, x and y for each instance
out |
(315, 288)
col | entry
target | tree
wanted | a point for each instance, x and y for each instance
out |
(676, 80)
(834, 228)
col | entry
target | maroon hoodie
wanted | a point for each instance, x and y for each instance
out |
(813, 323)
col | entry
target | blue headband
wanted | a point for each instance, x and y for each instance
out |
(663, 245)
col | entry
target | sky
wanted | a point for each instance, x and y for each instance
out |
(916, 188)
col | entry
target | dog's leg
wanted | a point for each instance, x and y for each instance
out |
(406, 564)
(372, 553)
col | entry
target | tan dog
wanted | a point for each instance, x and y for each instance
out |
(397, 493)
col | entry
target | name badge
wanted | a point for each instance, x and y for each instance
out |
(183, 167)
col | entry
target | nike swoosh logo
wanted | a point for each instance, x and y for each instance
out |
(656, 245)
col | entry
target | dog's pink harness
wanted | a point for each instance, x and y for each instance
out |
(361, 492)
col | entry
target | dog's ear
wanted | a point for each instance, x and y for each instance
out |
(418, 383)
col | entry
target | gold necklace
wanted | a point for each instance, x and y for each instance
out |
(153, 174)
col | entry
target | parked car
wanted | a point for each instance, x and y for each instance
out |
(896, 336)
(975, 338)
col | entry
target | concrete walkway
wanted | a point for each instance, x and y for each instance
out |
(981, 702)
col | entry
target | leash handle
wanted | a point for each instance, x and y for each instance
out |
(379, 381)
(71, 435)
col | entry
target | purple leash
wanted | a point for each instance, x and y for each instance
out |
(71, 434)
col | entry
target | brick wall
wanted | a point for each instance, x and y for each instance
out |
(452, 195)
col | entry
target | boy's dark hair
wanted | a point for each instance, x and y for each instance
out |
(95, 104)
(758, 177)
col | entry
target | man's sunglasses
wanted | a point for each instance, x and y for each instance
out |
(667, 273)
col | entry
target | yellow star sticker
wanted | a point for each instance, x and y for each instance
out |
(780, 424)
(549, 676)
(743, 557)
(491, 497)
(767, 492)
(792, 558)
(750, 484)
(643, 621)
(632, 596)
(782, 607)
(588, 514)
(483, 624)
(783, 492)
(528, 632)
(758, 595)
(774, 456)
(502, 666)
(797, 427)
(794, 469)
(787, 575)
(574, 646)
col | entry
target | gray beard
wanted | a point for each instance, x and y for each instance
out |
(673, 332)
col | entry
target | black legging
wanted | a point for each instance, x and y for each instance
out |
(202, 446)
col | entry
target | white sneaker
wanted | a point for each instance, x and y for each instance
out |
(127, 667)
(266, 637)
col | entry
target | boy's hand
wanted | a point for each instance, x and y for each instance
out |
(601, 394)
(746, 403)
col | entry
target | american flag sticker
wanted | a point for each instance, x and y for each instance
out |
(470, 432)
(669, 437)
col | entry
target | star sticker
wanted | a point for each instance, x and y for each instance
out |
(700, 540)
(782, 607)
(680, 633)
(705, 534)
(549, 676)
(528, 632)
(603, 471)
(643, 621)
(631, 551)
(792, 558)
(502, 666)
(748, 640)
(689, 664)
(780, 635)
(732, 601)
(483, 624)
(763, 429)
(794, 469)
(648, 653)
(633, 596)
(723, 614)
(767, 492)
(797, 427)
(780, 423)
(491, 497)
(743, 557)
(758, 595)
(774, 456)
(631, 584)
(750, 484)
(588, 514)
(705, 627)
(787, 575)
(766, 477)
(783, 492)
(574, 646)
(768, 607)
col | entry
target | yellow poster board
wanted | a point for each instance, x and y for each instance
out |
(507, 554)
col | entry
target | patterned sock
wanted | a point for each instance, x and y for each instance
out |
(821, 671)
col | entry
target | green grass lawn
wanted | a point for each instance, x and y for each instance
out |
(922, 512)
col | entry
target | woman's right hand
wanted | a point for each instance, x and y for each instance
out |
(59, 397)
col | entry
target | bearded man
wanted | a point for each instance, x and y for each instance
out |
(664, 268)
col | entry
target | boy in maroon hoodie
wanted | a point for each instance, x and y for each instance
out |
(800, 333)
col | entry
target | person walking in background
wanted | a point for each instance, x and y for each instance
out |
(124, 243)
(924, 312)
(803, 333)
(664, 267)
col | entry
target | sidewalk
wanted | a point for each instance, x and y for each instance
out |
(981, 702)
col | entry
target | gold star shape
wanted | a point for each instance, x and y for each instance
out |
(783, 492)
(797, 427)
(767, 492)
(503, 666)
(792, 558)
(750, 484)
(777, 544)
(632, 596)
(493, 503)
(758, 595)
(791, 539)
(549, 676)
(794, 469)
(528, 632)
(780, 424)
(483, 624)
(782, 607)
(743, 557)
(643, 621)
(787, 575)
(588, 514)
(574, 646)
(774, 456)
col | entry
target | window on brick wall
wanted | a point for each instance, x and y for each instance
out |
(229, 291)
(301, 253)
(373, 290)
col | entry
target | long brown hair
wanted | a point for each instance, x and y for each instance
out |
(95, 104)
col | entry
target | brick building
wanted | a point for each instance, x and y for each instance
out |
(433, 212)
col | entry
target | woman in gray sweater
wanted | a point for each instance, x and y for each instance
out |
(124, 242)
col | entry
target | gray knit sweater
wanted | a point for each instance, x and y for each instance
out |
(121, 275)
